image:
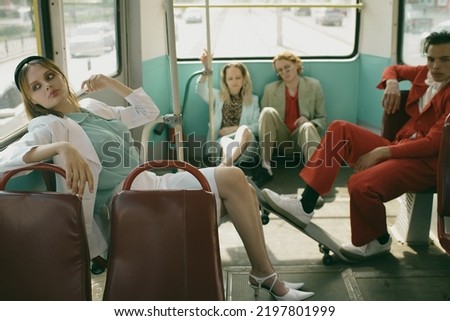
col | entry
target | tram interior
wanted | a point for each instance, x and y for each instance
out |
(416, 269)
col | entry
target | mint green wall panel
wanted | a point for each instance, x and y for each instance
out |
(349, 87)
(369, 97)
(339, 81)
(156, 82)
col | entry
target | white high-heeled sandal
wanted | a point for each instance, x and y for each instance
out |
(291, 295)
(294, 286)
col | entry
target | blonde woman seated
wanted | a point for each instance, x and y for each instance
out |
(236, 111)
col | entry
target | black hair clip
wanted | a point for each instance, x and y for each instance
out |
(23, 63)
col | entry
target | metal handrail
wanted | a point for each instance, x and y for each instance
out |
(358, 5)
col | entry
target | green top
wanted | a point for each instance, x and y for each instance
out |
(115, 148)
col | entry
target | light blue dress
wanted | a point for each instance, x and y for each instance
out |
(114, 146)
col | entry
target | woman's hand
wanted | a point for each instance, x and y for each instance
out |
(205, 58)
(300, 121)
(98, 82)
(372, 158)
(78, 173)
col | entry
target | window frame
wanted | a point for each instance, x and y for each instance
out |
(358, 6)
(401, 32)
(51, 43)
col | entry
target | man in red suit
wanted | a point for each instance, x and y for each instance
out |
(384, 170)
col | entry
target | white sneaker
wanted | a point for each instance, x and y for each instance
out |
(373, 248)
(319, 203)
(288, 206)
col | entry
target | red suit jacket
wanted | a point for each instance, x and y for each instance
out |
(428, 124)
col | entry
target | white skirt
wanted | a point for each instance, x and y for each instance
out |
(180, 180)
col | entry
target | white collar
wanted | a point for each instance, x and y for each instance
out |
(435, 85)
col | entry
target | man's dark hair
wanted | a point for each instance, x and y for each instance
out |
(436, 38)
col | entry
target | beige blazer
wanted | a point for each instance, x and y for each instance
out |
(311, 99)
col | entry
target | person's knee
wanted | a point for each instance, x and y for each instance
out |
(267, 112)
(352, 184)
(229, 176)
(358, 186)
(308, 126)
(338, 124)
(243, 133)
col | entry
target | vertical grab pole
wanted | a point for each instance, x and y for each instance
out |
(210, 80)
(178, 126)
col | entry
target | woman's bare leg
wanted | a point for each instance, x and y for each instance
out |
(243, 136)
(233, 148)
(227, 144)
(235, 192)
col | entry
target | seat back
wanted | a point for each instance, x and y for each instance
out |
(164, 243)
(391, 123)
(443, 188)
(43, 245)
(413, 224)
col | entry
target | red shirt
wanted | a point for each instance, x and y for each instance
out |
(292, 112)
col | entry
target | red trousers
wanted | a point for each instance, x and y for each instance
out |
(368, 189)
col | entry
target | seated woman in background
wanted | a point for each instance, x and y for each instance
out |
(236, 110)
(73, 134)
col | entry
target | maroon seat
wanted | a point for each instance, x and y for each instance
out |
(443, 188)
(43, 245)
(391, 123)
(164, 243)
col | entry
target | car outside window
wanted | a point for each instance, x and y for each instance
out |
(90, 32)
(91, 40)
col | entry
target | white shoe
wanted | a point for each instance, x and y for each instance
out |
(373, 248)
(319, 203)
(291, 295)
(294, 286)
(288, 207)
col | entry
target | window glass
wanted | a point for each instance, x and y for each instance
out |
(420, 19)
(90, 30)
(91, 43)
(257, 31)
(17, 40)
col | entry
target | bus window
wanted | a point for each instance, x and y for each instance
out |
(268, 28)
(17, 40)
(90, 32)
(420, 18)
